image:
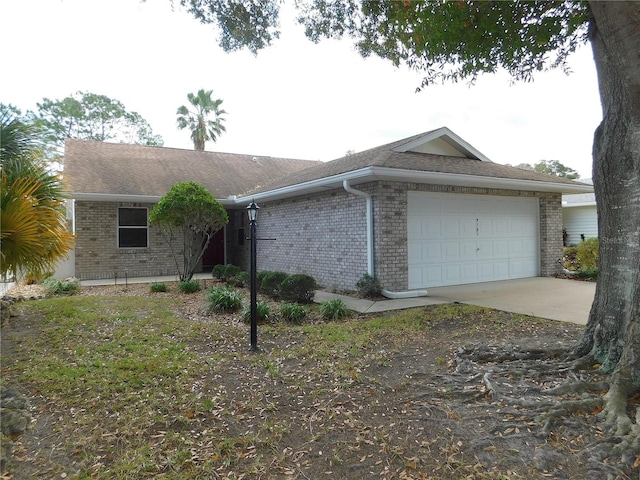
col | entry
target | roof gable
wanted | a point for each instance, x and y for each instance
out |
(441, 142)
(402, 160)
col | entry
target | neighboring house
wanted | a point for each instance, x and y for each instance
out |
(579, 216)
(429, 210)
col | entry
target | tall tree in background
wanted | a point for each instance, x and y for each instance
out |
(551, 167)
(459, 40)
(33, 230)
(195, 118)
(88, 116)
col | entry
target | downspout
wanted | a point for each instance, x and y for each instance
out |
(369, 200)
(370, 270)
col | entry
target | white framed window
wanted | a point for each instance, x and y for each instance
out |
(133, 227)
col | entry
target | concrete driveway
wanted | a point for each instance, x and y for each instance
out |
(553, 298)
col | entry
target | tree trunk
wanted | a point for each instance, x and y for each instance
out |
(612, 335)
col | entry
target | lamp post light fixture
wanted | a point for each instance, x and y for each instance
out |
(252, 211)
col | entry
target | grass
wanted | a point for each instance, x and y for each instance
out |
(137, 390)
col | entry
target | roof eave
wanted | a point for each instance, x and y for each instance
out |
(437, 178)
(115, 197)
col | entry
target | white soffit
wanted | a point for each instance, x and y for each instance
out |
(442, 142)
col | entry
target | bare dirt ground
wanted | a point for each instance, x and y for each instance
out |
(474, 394)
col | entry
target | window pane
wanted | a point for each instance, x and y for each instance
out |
(132, 217)
(132, 237)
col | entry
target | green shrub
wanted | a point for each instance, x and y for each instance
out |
(158, 287)
(587, 255)
(262, 312)
(54, 286)
(189, 286)
(369, 286)
(223, 299)
(240, 280)
(333, 309)
(218, 271)
(225, 272)
(292, 312)
(590, 273)
(298, 288)
(260, 275)
(270, 283)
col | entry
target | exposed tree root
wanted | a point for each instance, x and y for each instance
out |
(548, 387)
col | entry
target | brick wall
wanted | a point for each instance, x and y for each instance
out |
(323, 235)
(97, 252)
(550, 234)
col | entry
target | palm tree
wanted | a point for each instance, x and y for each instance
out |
(33, 231)
(196, 120)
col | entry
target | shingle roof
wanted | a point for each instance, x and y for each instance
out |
(122, 169)
(387, 156)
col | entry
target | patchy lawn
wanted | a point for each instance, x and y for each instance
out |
(126, 384)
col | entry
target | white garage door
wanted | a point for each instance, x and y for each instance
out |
(455, 238)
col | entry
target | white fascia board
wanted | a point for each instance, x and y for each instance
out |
(111, 197)
(436, 178)
(450, 137)
(313, 186)
(581, 204)
(464, 180)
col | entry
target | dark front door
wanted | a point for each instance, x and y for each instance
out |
(214, 254)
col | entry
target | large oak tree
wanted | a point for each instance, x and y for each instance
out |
(457, 40)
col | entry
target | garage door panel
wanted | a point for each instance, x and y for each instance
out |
(432, 252)
(501, 248)
(451, 252)
(468, 250)
(431, 228)
(486, 271)
(485, 249)
(499, 227)
(470, 272)
(450, 227)
(471, 238)
(501, 270)
(451, 274)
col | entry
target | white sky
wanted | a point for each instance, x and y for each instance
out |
(295, 99)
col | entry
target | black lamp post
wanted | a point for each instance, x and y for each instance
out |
(252, 210)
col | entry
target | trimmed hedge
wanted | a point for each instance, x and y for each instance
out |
(270, 283)
(299, 288)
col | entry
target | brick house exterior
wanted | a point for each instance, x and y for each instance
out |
(335, 220)
(326, 233)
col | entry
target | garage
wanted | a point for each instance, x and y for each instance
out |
(458, 238)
